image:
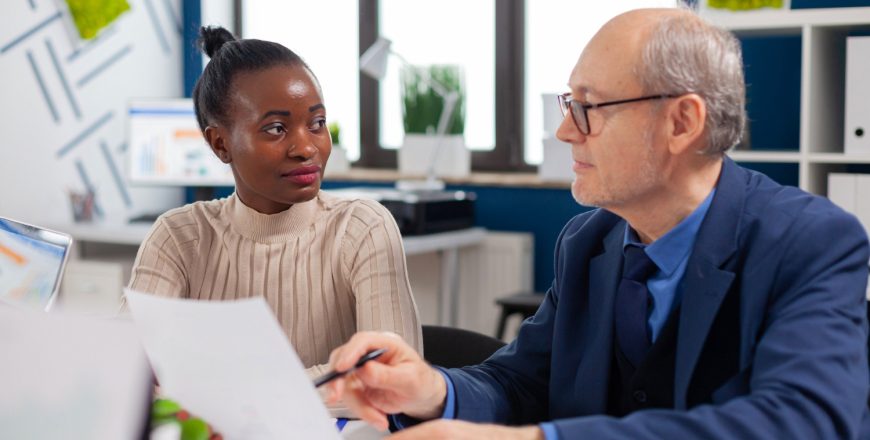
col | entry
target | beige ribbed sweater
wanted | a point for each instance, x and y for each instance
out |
(328, 267)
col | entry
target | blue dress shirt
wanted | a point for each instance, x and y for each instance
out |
(670, 253)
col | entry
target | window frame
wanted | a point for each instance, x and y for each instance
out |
(508, 154)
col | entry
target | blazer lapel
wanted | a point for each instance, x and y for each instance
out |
(706, 283)
(604, 274)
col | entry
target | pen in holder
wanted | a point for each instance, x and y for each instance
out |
(82, 205)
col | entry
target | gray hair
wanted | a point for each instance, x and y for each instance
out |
(684, 54)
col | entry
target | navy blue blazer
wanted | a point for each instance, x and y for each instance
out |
(792, 268)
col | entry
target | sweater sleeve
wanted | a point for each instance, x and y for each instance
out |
(158, 268)
(378, 275)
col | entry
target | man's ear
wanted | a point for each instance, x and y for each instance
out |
(687, 116)
(216, 139)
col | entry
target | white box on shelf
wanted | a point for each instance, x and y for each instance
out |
(557, 161)
(337, 163)
(415, 155)
(842, 190)
(857, 117)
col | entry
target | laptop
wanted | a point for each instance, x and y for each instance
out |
(32, 260)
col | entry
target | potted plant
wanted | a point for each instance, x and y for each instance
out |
(338, 162)
(422, 106)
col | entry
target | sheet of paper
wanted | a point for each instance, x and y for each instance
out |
(359, 430)
(230, 363)
(71, 377)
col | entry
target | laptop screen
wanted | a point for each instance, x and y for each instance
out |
(31, 263)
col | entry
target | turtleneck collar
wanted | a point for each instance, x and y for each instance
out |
(269, 228)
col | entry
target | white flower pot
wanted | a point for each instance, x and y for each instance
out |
(416, 153)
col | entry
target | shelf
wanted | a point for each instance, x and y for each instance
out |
(838, 158)
(521, 180)
(787, 21)
(765, 156)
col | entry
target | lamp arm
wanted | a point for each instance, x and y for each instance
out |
(424, 75)
(450, 100)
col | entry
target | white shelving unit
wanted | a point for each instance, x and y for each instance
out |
(823, 35)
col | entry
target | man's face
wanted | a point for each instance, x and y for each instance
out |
(618, 162)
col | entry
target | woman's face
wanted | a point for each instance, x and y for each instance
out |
(277, 143)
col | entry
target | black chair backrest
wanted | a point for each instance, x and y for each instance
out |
(455, 347)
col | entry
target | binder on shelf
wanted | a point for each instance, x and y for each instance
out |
(857, 117)
(862, 200)
(841, 190)
(852, 193)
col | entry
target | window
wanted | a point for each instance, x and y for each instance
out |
(512, 52)
(326, 35)
(444, 32)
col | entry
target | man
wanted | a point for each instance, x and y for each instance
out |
(703, 300)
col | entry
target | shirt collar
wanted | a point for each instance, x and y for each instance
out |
(672, 248)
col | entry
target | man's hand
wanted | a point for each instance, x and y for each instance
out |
(459, 430)
(397, 382)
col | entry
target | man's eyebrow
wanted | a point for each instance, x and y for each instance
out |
(316, 107)
(284, 113)
(581, 91)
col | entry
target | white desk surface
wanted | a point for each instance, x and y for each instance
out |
(134, 233)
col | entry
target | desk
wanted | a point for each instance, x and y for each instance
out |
(447, 244)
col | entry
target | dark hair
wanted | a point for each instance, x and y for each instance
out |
(229, 57)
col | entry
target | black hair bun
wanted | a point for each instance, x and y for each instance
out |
(212, 38)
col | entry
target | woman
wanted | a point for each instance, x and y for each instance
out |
(328, 267)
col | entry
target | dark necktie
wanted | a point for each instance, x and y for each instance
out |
(632, 298)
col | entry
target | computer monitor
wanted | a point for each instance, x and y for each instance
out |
(166, 146)
(32, 260)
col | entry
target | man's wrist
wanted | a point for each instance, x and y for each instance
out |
(433, 406)
(533, 433)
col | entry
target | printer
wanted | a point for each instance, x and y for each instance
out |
(419, 212)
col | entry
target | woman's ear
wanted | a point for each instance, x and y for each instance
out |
(216, 140)
(688, 121)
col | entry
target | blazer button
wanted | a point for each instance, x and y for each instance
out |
(639, 396)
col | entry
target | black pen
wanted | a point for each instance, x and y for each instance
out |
(332, 375)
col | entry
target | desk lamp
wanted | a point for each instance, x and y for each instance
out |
(373, 63)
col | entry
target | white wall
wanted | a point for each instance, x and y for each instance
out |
(87, 85)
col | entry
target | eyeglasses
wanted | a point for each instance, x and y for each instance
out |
(579, 110)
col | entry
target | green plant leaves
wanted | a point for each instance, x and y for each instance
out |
(422, 106)
(334, 132)
(164, 408)
(165, 411)
(194, 429)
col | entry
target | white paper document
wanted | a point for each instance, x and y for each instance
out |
(230, 363)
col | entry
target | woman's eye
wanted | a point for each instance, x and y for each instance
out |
(275, 130)
(318, 124)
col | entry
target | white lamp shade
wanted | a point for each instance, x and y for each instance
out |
(373, 61)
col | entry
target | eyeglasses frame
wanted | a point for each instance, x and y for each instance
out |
(566, 102)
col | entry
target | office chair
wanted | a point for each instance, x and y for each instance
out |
(525, 304)
(455, 347)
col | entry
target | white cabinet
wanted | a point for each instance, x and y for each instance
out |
(823, 34)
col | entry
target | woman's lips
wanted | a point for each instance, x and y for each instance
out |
(303, 175)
